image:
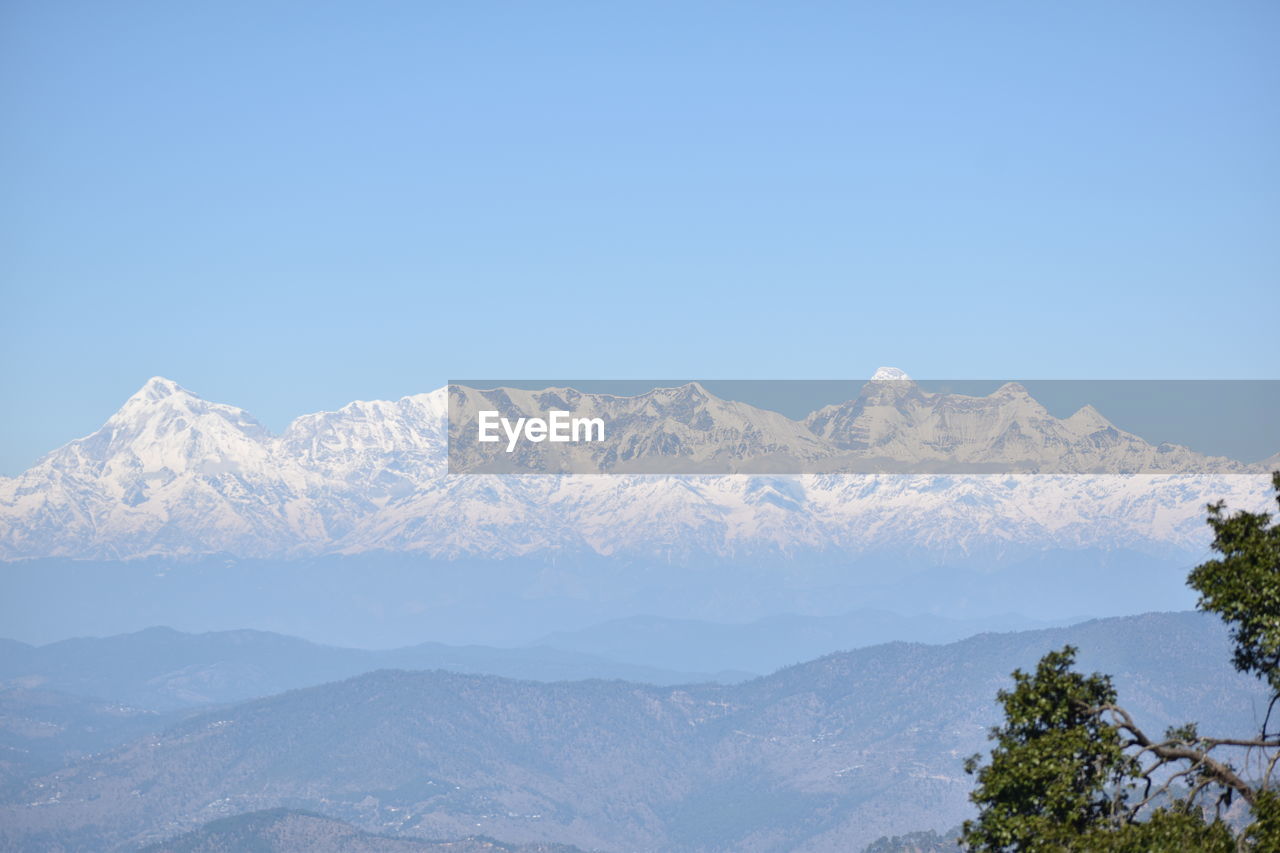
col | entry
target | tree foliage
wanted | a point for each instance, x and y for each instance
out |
(1165, 829)
(1243, 586)
(1052, 761)
(1072, 770)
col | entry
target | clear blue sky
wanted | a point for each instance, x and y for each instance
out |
(289, 206)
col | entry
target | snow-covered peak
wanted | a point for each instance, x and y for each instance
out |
(162, 432)
(890, 374)
(162, 409)
(158, 388)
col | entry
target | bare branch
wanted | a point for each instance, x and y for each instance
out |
(1213, 770)
(1267, 719)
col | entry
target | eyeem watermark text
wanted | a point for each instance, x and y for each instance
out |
(558, 426)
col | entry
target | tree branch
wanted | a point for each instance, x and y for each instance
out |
(1212, 769)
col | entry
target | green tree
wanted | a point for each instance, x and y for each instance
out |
(1072, 770)
(1054, 758)
(1243, 587)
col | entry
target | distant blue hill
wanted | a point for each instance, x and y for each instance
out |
(161, 669)
(830, 754)
(767, 644)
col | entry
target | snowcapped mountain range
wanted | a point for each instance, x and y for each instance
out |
(173, 474)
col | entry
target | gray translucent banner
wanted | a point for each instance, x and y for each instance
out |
(890, 424)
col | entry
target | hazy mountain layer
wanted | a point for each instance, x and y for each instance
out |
(764, 644)
(390, 600)
(160, 669)
(824, 756)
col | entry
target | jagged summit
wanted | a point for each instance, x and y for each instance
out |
(158, 388)
(1012, 389)
(890, 374)
(164, 408)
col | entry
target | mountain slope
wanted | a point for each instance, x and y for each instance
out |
(42, 730)
(828, 755)
(288, 831)
(896, 422)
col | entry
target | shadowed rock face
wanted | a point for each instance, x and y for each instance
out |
(827, 755)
